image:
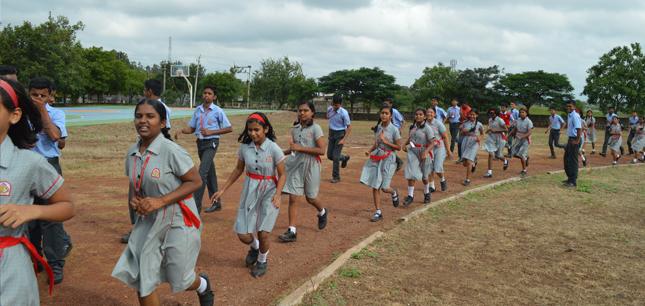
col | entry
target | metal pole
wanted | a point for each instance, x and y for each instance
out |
(248, 82)
(164, 77)
(190, 89)
(199, 60)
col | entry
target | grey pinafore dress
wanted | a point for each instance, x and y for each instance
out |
(256, 212)
(378, 174)
(639, 140)
(495, 142)
(521, 146)
(470, 143)
(616, 140)
(164, 245)
(439, 150)
(421, 137)
(591, 132)
(303, 169)
(23, 176)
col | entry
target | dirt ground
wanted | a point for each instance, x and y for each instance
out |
(93, 169)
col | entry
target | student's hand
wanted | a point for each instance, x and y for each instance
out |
(449, 154)
(574, 142)
(216, 196)
(405, 148)
(134, 203)
(294, 147)
(367, 153)
(560, 132)
(205, 132)
(275, 200)
(14, 215)
(177, 134)
(547, 130)
(381, 137)
(149, 205)
(424, 157)
(341, 142)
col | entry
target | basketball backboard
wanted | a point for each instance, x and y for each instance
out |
(179, 70)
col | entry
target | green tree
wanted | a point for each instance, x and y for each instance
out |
(303, 89)
(531, 87)
(275, 81)
(228, 86)
(618, 80)
(438, 81)
(476, 85)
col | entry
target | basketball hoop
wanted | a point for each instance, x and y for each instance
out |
(183, 71)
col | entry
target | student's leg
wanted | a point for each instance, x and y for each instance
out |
(212, 172)
(377, 198)
(454, 136)
(461, 138)
(468, 164)
(556, 141)
(593, 146)
(265, 242)
(337, 149)
(523, 160)
(490, 162)
(294, 200)
(551, 139)
(206, 151)
(604, 144)
(317, 203)
(151, 299)
(388, 191)
(613, 154)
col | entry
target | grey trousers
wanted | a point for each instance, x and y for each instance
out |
(571, 160)
(554, 139)
(454, 136)
(206, 149)
(334, 151)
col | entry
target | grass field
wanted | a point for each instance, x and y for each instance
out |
(531, 242)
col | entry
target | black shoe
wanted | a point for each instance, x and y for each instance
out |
(399, 166)
(618, 157)
(459, 161)
(427, 198)
(633, 162)
(408, 200)
(66, 249)
(630, 153)
(58, 277)
(622, 151)
(569, 184)
(552, 157)
(322, 220)
(601, 154)
(252, 257)
(207, 298)
(495, 158)
(584, 162)
(527, 160)
(432, 189)
(565, 181)
(523, 172)
(474, 167)
(377, 217)
(289, 236)
(335, 180)
(466, 183)
(395, 198)
(488, 175)
(444, 185)
(260, 269)
(642, 160)
(214, 208)
(506, 165)
(126, 238)
(508, 155)
(343, 164)
(593, 152)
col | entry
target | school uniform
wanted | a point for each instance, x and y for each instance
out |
(256, 212)
(439, 150)
(639, 139)
(338, 123)
(303, 169)
(570, 158)
(379, 168)
(420, 137)
(496, 141)
(607, 134)
(463, 119)
(591, 132)
(164, 245)
(633, 121)
(616, 141)
(212, 118)
(470, 142)
(24, 175)
(515, 115)
(168, 112)
(440, 114)
(397, 121)
(455, 123)
(521, 146)
(554, 136)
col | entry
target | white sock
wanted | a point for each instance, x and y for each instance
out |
(443, 179)
(432, 184)
(411, 191)
(490, 172)
(263, 257)
(202, 286)
(583, 158)
(255, 244)
(292, 229)
(378, 211)
(426, 187)
(506, 162)
(395, 195)
(321, 213)
(594, 150)
(614, 163)
(634, 159)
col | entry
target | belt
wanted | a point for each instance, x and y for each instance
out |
(439, 141)
(555, 130)
(377, 158)
(8, 241)
(503, 136)
(263, 177)
(529, 139)
(189, 218)
(206, 139)
(467, 135)
(53, 160)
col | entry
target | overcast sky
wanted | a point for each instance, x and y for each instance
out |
(400, 37)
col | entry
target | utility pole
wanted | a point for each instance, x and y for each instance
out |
(239, 69)
(164, 75)
(199, 60)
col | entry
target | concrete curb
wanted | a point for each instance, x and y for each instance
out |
(596, 168)
(312, 284)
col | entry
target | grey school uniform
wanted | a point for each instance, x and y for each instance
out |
(521, 146)
(421, 138)
(639, 139)
(591, 132)
(162, 248)
(470, 144)
(256, 212)
(303, 169)
(616, 140)
(495, 144)
(23, 176)
(439, 150)
(378, 174)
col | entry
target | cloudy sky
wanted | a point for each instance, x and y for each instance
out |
(400, 37)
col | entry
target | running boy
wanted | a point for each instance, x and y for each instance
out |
(556, 124)
(419, 156)
(441, 114)
(339, 129)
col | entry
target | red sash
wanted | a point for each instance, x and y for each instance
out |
(418, 145)
(475, 137)
(528, 139)
(503, 136)
(189, 218)
(8, 241)
(377, 158)
(262, 177)
(439, 141)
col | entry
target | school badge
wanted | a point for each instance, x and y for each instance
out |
(309, 135)
(423, 134)
(388, 137)
(156, 173)
(210, 121)
(269, 159)
(5, 189)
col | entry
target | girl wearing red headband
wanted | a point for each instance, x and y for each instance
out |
(260, 200)
(23, 175)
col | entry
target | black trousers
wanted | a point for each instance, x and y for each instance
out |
(49, 237)
(604, 144)
(554, 139)
(334, 151)
(629, 142)
(571, 159)
(454, 136)
(206, 149)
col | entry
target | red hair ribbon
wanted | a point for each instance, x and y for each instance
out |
(256, 116)
(10, 91)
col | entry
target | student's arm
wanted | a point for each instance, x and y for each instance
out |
(579, 132)
(61, 143)
(226, 130)
(239, 169)
(368, 152)
(318, 150)
(395, 146)
(282, 179)
(402, 124)
(191, 181)
(342, 141)
(564, 125)
(60, 209)
(444, 135)
(49, 127)
(528, 133)
(513, 131)
(188, 130)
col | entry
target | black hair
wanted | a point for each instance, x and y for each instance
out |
(611, 107)
(375, 128)
(337, 99)
(311, 107)
(552, 108)
(7, 70)
(504, 105)
(455, 99)
(40, 83)
(574, 103)
(389, 100)
(434, 98)
(211, 87)
(494, 110)
(154, 85)
(527, 111)
(433, 109)
(474, 110)
(420, 109)
(513, 102)
(24, 132)
(634, 111)
(463, 101)
(160, 109)
(53, 86)
(244, 136)
(590, 111)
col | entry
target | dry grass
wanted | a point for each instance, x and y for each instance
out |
(527, 243)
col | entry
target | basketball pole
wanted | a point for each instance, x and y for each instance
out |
(190, 89)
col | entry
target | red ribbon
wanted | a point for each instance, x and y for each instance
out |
(262, 177)
(503, 136)
(528, 139)
(8, 241)
(10, 92)
(134, 178)
(189, 218)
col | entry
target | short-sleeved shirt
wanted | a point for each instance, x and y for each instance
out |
(440, 113)
(305, 136)
(338, 120)
(590, 121)
(610, 118)
(453, 113)
(515, 115)
(573, 124)
(633, 121)
(422, 135)
(506, 117)
(168, 111)
(466, 113)
(397, 118)
(438, 128)
(45, 146)
(213, 118)
(391, 134)
(556, 122)
(469, 125)
(523, 126)
(263, 160)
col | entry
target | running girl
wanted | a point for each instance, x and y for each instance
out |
(260, 201)
(439, 150)
(639, 140)
(590, 121)
(616, 140)
(23, 175)
(165, 240)
(523, 130)
(379, 168)
(473, 132)
(496, 140)
(303, 168)
(418, 164)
